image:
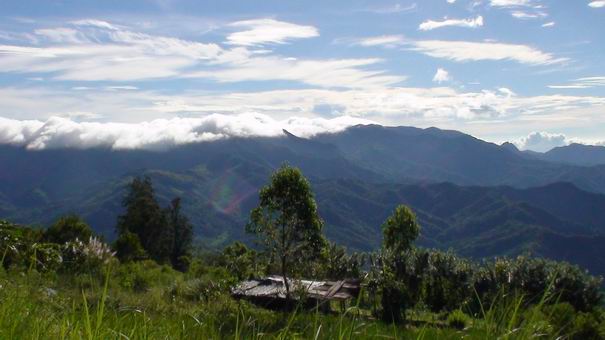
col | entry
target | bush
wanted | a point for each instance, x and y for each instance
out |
(44, 257)
(585, 327)
(561, 317)
(15, 243)
(89, 256)
(68, 228)
(202, 289)
(128, 248)
(140, 276)
(457, 319)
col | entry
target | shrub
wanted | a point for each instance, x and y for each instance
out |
(239, 260)
(44, 257)
(202, 289)
(68, 228)
(457, 319)
(561, 317)
(88, 256)
(15, 243)
(585, 327)
(128, 248)
(140, 276)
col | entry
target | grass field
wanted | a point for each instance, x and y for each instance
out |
(148, 301)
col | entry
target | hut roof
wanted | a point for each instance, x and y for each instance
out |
(273, 287)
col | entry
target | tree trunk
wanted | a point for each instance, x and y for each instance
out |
(284, 272)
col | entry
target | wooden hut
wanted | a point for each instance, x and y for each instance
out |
(270, 292)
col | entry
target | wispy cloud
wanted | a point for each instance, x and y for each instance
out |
(463, 51)
(93, 50)
(392, 9)
(383, 40)
(510, 3)
(468, 23)
(268, 31)
(475, 51)
(528, 15)
(582, 83)
(549, 24)
(438, 105)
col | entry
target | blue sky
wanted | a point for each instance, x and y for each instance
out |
(528, 71)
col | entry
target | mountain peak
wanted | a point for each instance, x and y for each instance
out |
(289, 134)
(509, 146)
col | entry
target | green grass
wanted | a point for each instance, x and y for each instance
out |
(37, 306)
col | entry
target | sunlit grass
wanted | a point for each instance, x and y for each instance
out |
(34, 306)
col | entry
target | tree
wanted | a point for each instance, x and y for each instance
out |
(400, 279)
(145, 219)
(182, 235)
(239, 260)
(400, 230)
(68, 228)
(128, 247)
(286, 221)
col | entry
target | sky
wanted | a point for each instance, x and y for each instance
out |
(136, 73)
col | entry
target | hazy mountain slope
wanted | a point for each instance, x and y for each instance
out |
(440, 155)
(577, 154)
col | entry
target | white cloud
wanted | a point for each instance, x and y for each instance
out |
(582, 83)
(541, 141)
(383, 40)
(326, 73)
(396, 8)
(528, 15)
(268, 31)
(545, 141)
(59, 132)
(549, 24)
(441, 76)
(95, 23)
(510, 3)
(92, 50)
(451, 1)
(597, 4)
(468, 23)
(440, 105)
(474, 51)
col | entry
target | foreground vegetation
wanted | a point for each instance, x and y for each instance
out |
(143, 300)
(63, 282)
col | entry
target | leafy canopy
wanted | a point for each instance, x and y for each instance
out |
(286, 220)
(400, 230)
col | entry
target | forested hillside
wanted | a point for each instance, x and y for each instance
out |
(359, 176)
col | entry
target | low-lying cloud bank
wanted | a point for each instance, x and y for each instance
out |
(545, 141)
(160, 134)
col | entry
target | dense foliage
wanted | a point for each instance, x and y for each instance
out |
(287, 222)
(164, 235)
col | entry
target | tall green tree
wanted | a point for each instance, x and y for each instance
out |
(400, 230)
(286, 221)
(182, 236)
(145, 219)
(400, 279)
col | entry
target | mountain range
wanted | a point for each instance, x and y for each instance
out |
(476, 198)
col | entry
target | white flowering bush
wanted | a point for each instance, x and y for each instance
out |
(44, 257)
(16, 243)
(91, 256)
